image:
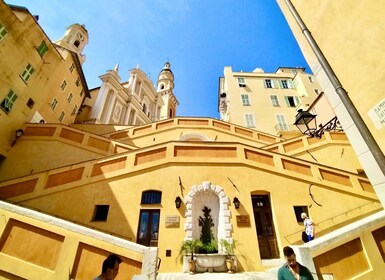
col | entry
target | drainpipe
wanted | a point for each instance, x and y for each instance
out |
(359, 122)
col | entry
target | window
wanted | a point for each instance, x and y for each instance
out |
(63, 85)
(316, 91)
(245, 100)
(81, 93)
(298, 210)
(53, 104)
(27, 73)
(75, 110)
(250, 120)
(77, 81)
(151, 197)
(284, 84)
(100, 213)
(8, 101)
(30, 103)
(72, 67)
(281, 122)
(311, 79)
(42, 49)
(148, 228)
(69, 98)
(77, 43)
(61, 117)
(241, 82)
(292, 101)
(3, 31)
(268, 83)
(274, 100)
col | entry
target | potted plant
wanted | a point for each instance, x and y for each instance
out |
(190, 246)
(228, 247)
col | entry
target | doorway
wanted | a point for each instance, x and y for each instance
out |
(264, 224)
(148, 229)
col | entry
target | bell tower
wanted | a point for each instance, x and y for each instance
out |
(165, 87)
(75, 39)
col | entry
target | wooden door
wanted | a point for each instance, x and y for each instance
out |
(264, 224)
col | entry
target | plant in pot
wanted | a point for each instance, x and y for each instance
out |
(190, 246)
(228, 247)
(209, 245)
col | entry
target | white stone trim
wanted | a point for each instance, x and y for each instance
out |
(224, 227)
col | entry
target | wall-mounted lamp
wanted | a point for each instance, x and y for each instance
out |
(178, 202)
(18, 134)
(236, 202)
(306, 123)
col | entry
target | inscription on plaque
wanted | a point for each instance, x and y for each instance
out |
(172, 221)
(243, 220)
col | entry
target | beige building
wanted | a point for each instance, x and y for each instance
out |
(39, 80)
(72, 194)
(266, 101)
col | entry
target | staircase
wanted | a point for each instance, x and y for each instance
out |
(266, 275)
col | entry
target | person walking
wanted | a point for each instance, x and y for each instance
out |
(309, 228)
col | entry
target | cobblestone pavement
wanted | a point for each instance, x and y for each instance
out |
(271, 275)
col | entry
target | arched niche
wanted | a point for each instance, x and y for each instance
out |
(213, 197)
(194, 137)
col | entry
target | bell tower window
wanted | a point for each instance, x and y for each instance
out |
(77, 43)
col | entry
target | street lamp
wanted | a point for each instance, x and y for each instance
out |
(307, 124)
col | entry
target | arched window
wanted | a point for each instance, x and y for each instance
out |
(162, 86)
(171, 113)
(77, 43)
(144, 107)
(151, 197)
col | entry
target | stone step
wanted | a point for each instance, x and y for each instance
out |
(267, 275)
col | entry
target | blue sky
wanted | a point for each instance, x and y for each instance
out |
(197, 37)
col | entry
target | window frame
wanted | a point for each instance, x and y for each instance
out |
(3, 31)
(245, 100)
(281, 122)
(268, 83)
(241, 82)
(69, 98)
(150, 197)
(63, 85)
(274, 101)
(284, 84)
(27, 73)
(53, 104)
(62, 115)
(7, 103)
(42, 48)
(250, 120)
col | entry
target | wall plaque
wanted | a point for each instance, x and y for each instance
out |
(172, 221)
(243, 220)
(377, 114)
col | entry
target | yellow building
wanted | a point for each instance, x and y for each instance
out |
(343, 44)
(266, 101)
(72, 194)
(39, 80)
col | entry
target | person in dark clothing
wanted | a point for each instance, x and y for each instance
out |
(293, 270)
